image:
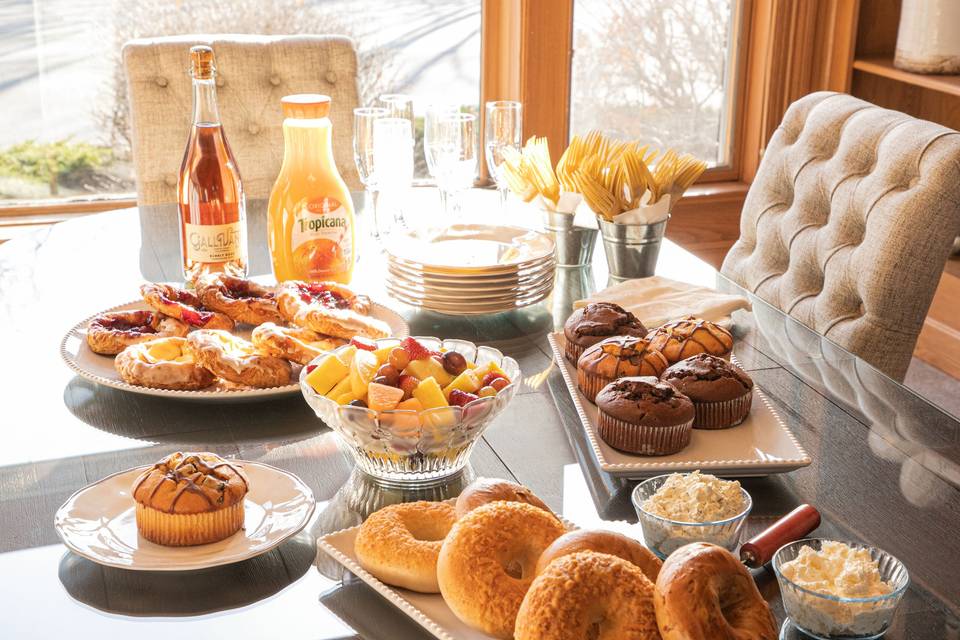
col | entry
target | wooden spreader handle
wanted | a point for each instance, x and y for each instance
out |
(797, 524)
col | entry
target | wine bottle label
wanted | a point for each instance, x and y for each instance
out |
(215, 242)
(322, 241)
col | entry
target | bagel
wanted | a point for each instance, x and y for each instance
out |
(588, 595)
(484, 490)
(111, 332)
(237, 360)
(164, 363)
(243, 300)
(292, 343)
(329, 308)
(183, 305)
(608, 542)
(704, 593)
(487, 563)
(399, 544)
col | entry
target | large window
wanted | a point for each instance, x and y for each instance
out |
(64, 127)
(661, 72)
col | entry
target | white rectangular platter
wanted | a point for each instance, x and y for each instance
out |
(429, 610)
(760, 445)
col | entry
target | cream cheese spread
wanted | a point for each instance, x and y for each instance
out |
(696, 497)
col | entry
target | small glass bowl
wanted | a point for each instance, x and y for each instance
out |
(664, 536)
(828, 617)
(409, 447)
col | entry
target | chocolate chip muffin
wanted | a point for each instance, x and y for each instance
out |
(617, 357)
(720, 390)
(644, 416)
(598, 320)
(689, 336)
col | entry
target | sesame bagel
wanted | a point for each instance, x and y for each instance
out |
(487, 563)
(484, 490)
(609, 542)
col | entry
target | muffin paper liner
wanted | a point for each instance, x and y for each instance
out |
(640, 439)
(573, 350)
(724, 414)
(186, 529)
(590, 384)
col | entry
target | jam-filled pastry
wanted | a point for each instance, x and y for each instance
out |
(243, 300)
(111, 332)
(189, 499)
(293, 343)
(237, 360)
(183, 305)
(164, 363)
(329, 308)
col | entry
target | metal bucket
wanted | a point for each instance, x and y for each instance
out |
(574, 243)
(632, 249)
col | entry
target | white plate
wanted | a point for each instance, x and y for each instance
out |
(99, 368)
(467, 308)
(532, 270)
(760, 445)
(468, 247)
(469, 293)
(98, 522)
(429, 610)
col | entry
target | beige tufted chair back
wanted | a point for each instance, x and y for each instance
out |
(253, 73)
(849, 222)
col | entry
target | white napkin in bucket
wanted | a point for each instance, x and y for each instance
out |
(657, 300)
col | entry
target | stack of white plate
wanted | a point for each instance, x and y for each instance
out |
(469, 269)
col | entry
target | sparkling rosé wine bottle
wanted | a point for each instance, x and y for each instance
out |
(213, 221)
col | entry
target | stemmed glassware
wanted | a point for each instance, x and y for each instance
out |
(400, 105)
(450, 146)
(393, 157)
(502, 131)
(363, 157)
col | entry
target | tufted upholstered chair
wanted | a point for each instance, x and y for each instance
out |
(253, 73)
(849, 222)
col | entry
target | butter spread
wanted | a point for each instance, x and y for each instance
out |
(696, 497)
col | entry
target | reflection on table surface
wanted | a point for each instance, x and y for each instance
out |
(885, 461)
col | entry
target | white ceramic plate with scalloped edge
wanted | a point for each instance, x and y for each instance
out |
(99, 523)
(760, 445)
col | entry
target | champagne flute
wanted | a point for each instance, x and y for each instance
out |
(393, 157)
(363, 157)
(502, 130)
(451, 150)
(400, 105)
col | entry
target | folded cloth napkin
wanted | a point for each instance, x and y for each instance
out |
(657, 300)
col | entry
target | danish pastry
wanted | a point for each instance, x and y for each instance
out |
(243, 300)
(111, 332)
(237, 360)
(292, 343)
(163, 363)
(183, 305)
(329, 308)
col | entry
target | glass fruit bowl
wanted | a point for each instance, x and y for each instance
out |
(402, 446)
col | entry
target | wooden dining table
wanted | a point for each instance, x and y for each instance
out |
(885, 462)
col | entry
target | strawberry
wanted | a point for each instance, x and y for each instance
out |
(311, 367)
(414, 349)
(460, 398)
(489, 378)
(363, 343)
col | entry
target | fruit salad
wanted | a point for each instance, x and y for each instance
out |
(402, 377)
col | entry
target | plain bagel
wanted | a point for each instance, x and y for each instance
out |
(588, 595)
(484, 490)
(704, 593)
(399, 544)
(487, 563)
(601, 541)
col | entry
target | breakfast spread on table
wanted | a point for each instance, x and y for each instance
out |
(189, 340)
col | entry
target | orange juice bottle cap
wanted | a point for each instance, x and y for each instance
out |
(305, 105)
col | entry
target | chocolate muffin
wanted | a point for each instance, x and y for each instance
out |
(617, 357)
(598, 320)
(720, 390)
(645, 416)
(689, 336)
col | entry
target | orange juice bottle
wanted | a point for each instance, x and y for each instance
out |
(310, 222)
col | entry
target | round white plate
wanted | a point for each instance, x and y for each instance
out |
(99, 368)
(415, 290)
(466, 308)
(478, 279)
(99, 523)
(467, 247)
